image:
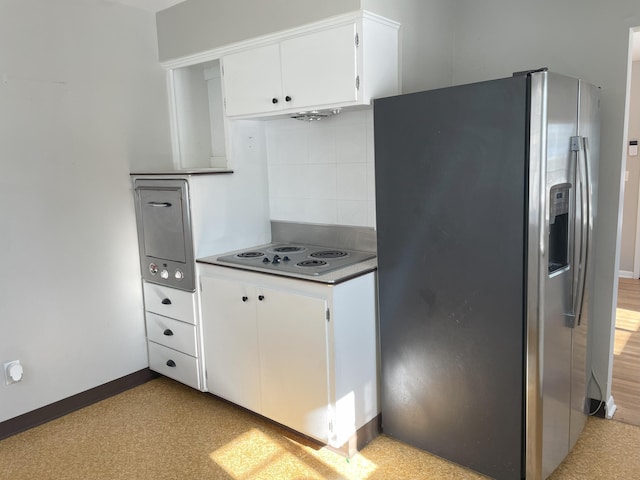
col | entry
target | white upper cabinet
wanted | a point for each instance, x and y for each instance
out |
(320, 68)
(252, 81)
(338, 63)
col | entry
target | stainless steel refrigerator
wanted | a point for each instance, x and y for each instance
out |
(486, 206)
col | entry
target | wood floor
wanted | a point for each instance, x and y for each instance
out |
(625, 385)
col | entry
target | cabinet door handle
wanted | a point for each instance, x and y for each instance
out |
(166, 301)
(168, 332)
(171, 363)
(261, 297)
(287, 98)
(244, 299)
(274, 100)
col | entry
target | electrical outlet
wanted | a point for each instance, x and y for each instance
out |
(13, 372)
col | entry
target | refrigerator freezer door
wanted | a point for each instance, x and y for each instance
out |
(451, 187)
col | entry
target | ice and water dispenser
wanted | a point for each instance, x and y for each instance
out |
(559, 227)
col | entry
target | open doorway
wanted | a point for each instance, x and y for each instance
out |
(625, 384)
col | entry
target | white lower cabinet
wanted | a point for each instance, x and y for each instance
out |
(298, 352)
(173, 334)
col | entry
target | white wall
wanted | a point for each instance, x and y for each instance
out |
(322, 172)
(630, 213)
(426, 39)
(200, 25)
(588, 40)
(81, 96)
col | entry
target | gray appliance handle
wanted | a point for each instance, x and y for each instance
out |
(159, 204)
(585, 233)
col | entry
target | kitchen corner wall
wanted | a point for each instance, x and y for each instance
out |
(319, 172)
(322, 171)
(81, 95)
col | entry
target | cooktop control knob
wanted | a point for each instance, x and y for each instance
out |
(179, 275)
(265, 260)
(153, 268)
(276, 259)
(164, 274)
(285, 258)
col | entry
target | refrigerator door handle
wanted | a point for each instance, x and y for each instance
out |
(585, 206)
(587, 221)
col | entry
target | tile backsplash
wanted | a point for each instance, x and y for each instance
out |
(322, 171)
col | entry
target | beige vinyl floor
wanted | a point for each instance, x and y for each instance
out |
(165, 430)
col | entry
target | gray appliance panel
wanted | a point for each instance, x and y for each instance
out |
(164, 231)
(451, 192)
(163, 223)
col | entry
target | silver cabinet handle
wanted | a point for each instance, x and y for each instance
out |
(159, 204)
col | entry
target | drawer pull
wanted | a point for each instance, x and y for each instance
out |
(244, 299)
(168, 332)
(166, 301)
(171, 363)
(261, 297)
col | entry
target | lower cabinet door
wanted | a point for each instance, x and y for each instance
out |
(231, 341)
(174, 364)
(294, 380)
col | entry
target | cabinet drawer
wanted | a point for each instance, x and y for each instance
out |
(170, 302)
(185, 367)
(172, 333)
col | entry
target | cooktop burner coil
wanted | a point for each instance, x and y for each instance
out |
(288, 249)
(329, 254)
(250, 255)
(311, 263)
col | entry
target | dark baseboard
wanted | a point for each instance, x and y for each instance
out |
(597, 408)
(75, 402)
(361, 438)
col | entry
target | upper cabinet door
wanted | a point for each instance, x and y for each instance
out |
(320, 68)
(252, 81)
